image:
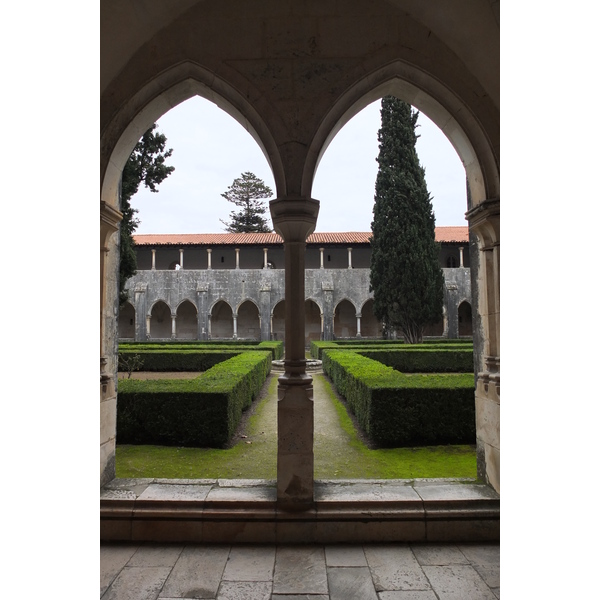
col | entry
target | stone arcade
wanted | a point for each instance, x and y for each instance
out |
(231, 286)
(293, 73)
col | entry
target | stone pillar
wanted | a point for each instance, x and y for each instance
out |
(327, 287)
(358, 316)
(109, 226)
(209, 326)
(266, 318)
(461, 257)
(294, 219)
(201, 300)
(139, 299)
(154, 259)
(148, 319)
(235, 326)
(237, 258)
(321, 250)
(181, 257)
(484, 223)
(451, 306)
(209, 253)
(349, 258)
(266, 261)
(173, 326)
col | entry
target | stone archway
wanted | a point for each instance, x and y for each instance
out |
(465, 319)
(221, 321)
(278, 321)
(293, 78)
(248, 321)
(370, 327)
(312, 327)
(127, 322)
(160, 321)
(344, 320)
(187, 321)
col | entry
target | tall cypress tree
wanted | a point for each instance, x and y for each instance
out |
(406, 278)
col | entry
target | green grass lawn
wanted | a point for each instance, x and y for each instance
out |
(339, 451)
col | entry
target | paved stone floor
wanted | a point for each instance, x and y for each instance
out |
(312, 572)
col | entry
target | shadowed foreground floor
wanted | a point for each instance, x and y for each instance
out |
(312, 572)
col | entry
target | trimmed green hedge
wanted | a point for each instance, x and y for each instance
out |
(196, 356)
(200, 412)
(396, 409)
(456, 357)
(424, 360)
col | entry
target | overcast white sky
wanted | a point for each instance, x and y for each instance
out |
(210, 149)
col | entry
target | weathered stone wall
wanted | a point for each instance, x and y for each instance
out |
(247, 291)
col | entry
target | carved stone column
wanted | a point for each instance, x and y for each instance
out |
(484, 222)
(109, 225)
(294, 219)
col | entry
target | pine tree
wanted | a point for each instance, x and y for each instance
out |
(146, 164)
(406, 278)
(247, 192)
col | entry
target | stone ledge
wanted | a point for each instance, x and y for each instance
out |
(235, 511)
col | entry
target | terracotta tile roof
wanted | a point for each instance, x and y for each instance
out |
(442, 234)
(452, 234)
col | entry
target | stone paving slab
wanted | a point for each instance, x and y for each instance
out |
(345, 556)
(112, 560)
(197, 573)
(409, 595)
(395, 568)
(351, 583)
(300, 570)
(137, 583)
(244, 590)
(439, 555)
(153, 556)
(457, 582)
(250, 563)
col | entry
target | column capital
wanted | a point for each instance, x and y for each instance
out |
(294, 219)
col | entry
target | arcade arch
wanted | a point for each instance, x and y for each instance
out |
(187, 321)
(293, 117)
(465, 319)
(160, 321)
(127, 321)
(248, 321)
(370, 326)
(278, 321)
(312, 322)
(344, 320)
(221, 321)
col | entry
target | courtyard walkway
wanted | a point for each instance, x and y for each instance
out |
(312, 572)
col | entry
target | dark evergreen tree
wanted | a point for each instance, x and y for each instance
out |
(406, 278)
(247, 192)
(145, 165)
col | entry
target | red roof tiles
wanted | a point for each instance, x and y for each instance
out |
(442, 234)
